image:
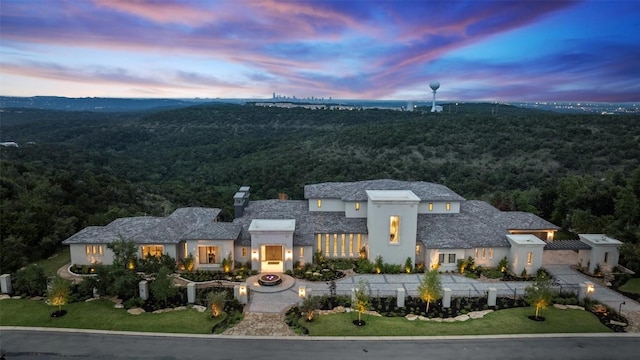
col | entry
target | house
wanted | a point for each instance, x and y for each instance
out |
(425, 222)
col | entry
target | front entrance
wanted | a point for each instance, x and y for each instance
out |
(272, 259)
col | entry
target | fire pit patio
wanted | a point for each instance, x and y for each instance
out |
(269, 280)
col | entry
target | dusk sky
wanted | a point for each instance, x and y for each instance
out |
(478, 50)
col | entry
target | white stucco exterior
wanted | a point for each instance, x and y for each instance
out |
(272, 244)
(604, 252)
(525, 253)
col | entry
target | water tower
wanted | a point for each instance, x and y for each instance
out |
(434, 85)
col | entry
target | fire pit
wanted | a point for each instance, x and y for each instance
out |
(269, 280)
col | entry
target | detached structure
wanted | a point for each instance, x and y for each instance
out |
(425, 222)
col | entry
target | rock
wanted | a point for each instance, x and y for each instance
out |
(613, 322)
(136, 311)
(575, 307)
(339, 309)
(118, 306)
(199, 308)
(37, 298)
(91, 299)
(462, 317)
(162, 311)
(438, 320)
(4, 296)
(560, 306)
(423, 318)
(16, 297)
(179, 308)
(450, 320)
(348, 310)
(411, 317)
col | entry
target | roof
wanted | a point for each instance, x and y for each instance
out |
(297, 210)
(512, 220)
(182, 224)
(356, 191)
(285, 225)
(525, 239)
(459, 231)
(567, 245)
(392, 195)
(599, 240)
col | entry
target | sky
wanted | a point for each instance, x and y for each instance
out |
(479, 50)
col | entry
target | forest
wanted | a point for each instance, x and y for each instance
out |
(80, 168)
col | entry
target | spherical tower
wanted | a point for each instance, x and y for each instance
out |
(434, 85)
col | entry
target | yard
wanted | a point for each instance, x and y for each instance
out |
(509, 321)
(632, 286)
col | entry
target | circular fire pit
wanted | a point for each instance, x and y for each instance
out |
(269, 280)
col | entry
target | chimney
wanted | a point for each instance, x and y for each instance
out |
(240, 201)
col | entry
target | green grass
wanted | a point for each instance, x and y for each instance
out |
(632, 286)
(510, 321)
(55, 262)
(101, 315)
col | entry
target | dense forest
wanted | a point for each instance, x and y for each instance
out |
(74, 169)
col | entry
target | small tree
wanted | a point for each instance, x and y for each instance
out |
(430, 289)
(408, 266)
(503, 265)
(216, 301)
(124, 252)
(362, 301)
(309, 306)
(59, 292)
(379, 264)
(162, 287)
(539, 294)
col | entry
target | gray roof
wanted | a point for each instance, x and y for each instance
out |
(356, 191)
(512, 220)
(567, 245)
(180, 225)
(459, 231)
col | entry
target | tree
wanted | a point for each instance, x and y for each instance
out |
(539, 294)
(162, 287)
(216, 300)
(124, 252)
(503, 265)
(31, 281)
(59, 292)
(430, 289)
(361, 301)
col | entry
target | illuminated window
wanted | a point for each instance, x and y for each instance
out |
(87, 249)
(430, 206)
(417, 249)
(244, 252)
(476, 253)
(319, 203)
(490, 253)
(99, 249)
(448, 206)
(452, 258)
(186, 250)
(319, 242)
(359, 242)
(326, 245)
(549, 235)
(343, 248)
(357, 206)
(529, 258)
(484, 253)
(335, 245)
(152, 250)
(301, 252)
(394, 229)
(208, 254)
(351, 245)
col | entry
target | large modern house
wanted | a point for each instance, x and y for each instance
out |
(425, 222)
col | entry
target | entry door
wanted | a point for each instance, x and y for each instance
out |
(273, 253)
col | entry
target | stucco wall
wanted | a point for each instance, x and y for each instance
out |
(79, 255)
(439, 207)
(327, 205)
(378, 224)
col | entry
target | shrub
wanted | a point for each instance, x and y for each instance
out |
(30, 281)
(133, 302)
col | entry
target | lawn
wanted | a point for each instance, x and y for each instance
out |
(55, 262)
(509, 321)
(101, 315)
(632, 286)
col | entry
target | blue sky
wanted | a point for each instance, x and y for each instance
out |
(478, 50)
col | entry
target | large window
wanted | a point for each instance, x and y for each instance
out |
(93, 249)
(339, 245)
(151, 250)
(394, 229)
(209, 254)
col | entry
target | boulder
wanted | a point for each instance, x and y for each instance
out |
(118, 306)
(560, 306)
(464, 317)
(411, 317)
(423, 318)
(4, 296)
(136, 311)
(575, 307)
(438, 320)
(339, 309)
(199, 308)
(449, 320)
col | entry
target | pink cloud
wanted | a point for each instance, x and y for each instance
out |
(163, 12)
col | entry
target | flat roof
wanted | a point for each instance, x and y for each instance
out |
(392, 195)
(272, 225)
(525, 239)
(599, 239)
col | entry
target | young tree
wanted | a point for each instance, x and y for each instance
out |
(539, 294)
(59, 292)
(362, 301)
(124, 252)
(162, 287)
(216, 301)
(430, 289)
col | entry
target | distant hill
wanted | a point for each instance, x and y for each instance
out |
(92, 104)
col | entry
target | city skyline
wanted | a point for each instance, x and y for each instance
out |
(478, 50)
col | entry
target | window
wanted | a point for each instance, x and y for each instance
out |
(319, 203)
(326, 245)
(359, 239)
(351, 245)
(301, 252)
(357, 206)
(152, 250)
(93, 249)
(529, 258)
(343, 247)
(430, 206)
(606, 257)
(244, 252)
(484, 253)
(441, 258)
(209, 254)
(319, 242)
(490, 253)
(417, 249)
(335, 245)
(452, 258)
(448, 206)
(476, 253)
(394, 229)
(186, 250)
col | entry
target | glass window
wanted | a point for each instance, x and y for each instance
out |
(452, 258)
(484, 253)
(244, 252)
(357, 206)
(448, 206)
(319, 203)
(529, 258)
(430, 206)
(417, 249)
(301, 252)
(441, 258)
(490, 253)
(394, 229)
(209, 254)
(152, 250)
